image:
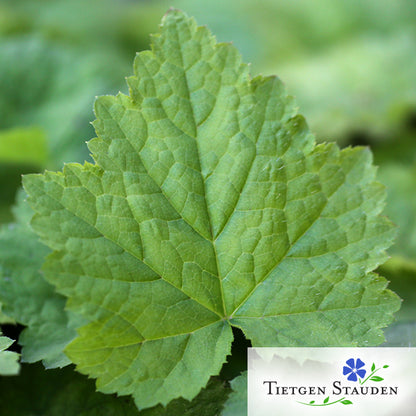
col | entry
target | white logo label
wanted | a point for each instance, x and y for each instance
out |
(331, 381)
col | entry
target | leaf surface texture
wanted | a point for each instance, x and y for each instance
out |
(209, 206)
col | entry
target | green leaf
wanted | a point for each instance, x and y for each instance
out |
(65, 392)
(236, 405)
(402, 274)
(401, 205)
(401, 268)
(375, 102)
(326, 400)
(28, 298)
(22, 150)
(23, 146)
(346, 402)
(373, 367)
(325, 50)
(9, 360)
(58, 392)
(209, 206)
(4, 319)
(376, 378)
(53, 87)
(208, 402)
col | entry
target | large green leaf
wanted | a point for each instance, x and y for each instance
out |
(28, 298)
(209, 206)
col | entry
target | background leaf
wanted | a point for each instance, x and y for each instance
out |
(53, 88)
(28, 299)
(236, 405)
(65, 392)
(58, 392)
(208, 402)
(23, 146)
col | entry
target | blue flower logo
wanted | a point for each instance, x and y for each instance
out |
(354, 369)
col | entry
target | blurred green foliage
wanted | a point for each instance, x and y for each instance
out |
(350, 63)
